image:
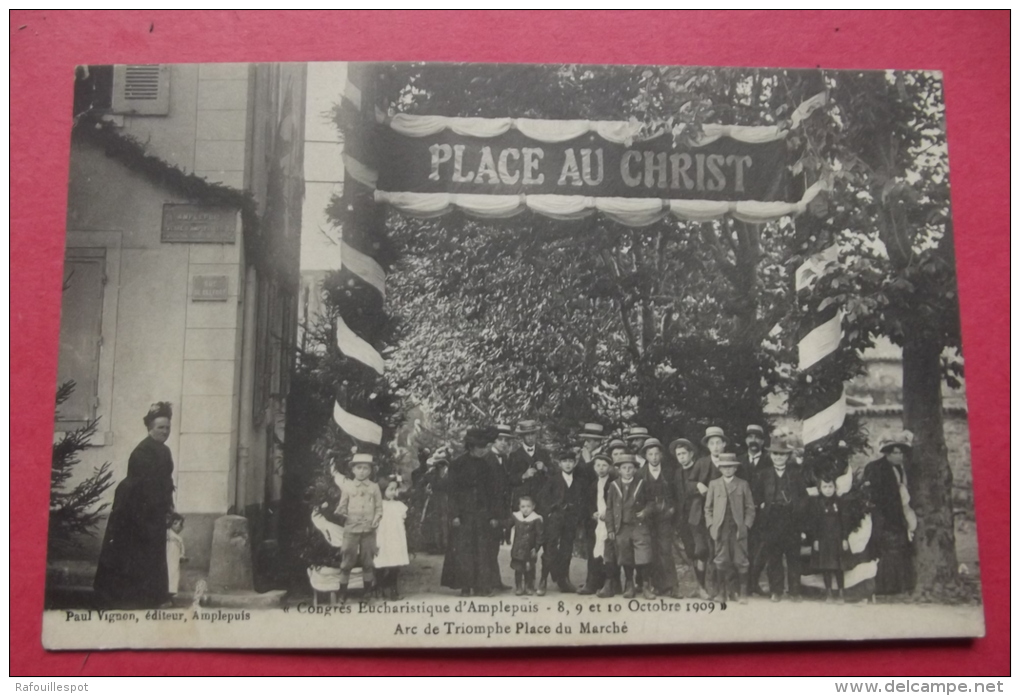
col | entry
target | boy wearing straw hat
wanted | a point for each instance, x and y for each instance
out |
(361, 509)
(729, 515)
(592, 437)
(626, 513)
(715, 441)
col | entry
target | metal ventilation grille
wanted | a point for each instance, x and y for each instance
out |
(141, 82)
(141, 90)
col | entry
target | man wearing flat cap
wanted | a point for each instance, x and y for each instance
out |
(780, 495)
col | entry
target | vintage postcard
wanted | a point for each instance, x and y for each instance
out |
(457, 355)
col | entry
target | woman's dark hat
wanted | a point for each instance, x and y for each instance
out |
(160, 409)
(478, 437)
(903, 439)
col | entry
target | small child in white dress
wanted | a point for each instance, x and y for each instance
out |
(174, 550)
(392, 539)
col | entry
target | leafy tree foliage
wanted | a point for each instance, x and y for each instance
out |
(681, 324)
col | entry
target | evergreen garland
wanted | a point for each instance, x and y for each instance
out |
(75, 512)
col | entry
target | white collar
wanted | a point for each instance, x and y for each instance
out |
(569, 478)
(529, 518)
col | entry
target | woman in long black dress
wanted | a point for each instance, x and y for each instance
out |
(892, 526)
(474, 505)
(132, 571)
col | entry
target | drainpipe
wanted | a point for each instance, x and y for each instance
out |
(247, 389)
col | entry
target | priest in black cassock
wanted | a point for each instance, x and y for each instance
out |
(474, 504)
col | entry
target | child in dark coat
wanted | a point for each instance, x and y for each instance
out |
(563, 506)
(829, 539)
(527, 540)
(626, 509)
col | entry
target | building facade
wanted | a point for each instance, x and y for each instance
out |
(181, 283)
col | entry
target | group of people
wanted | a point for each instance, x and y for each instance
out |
(634, 508)
(630, 505)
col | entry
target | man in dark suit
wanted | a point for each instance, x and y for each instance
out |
(753, 462)
(780, 494)
(498, 459)
(756, 458)
(661, 512)
(562, 504)
(529, 464)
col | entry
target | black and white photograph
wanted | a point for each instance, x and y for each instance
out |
(444, 355)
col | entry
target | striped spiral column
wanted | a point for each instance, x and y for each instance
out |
(362, 255)
(826, 408)
(824, 415)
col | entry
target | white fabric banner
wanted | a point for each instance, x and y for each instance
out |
(807, 108)
(633, 212)
(360, 172)
(558, 131)
(356, 426)
(821, 341)
(826, 421)
(331, 531)
(363, 266)
(815, 266)
(354, 346)
(547, 131)
(561, 207)
(353, 94)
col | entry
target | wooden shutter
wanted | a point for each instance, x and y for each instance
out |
(81, 319)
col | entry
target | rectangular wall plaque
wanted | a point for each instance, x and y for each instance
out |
(210, 288)
(202, 224)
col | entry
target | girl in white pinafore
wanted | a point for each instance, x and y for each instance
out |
(391, 539)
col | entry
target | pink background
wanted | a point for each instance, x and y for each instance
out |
(971, 48)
